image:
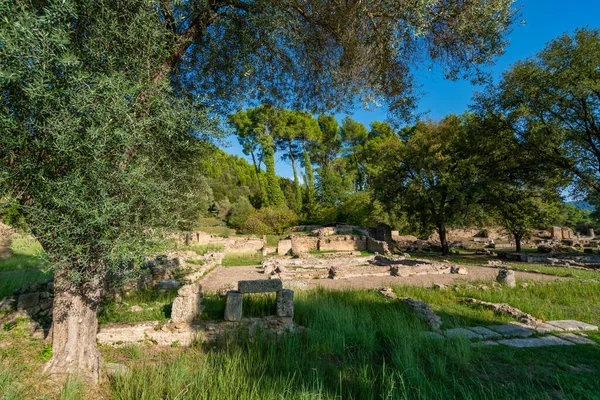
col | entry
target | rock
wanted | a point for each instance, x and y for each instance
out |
(511, 330)
(456, 269)
(135, 309)
(285, 303)
(260, 286)
(113, 369)
(484, 343)
(485, 332)
(439, 286)
(577, 339)
(188, 303)
(462, 332)
(331, 272)
(28, 301)
(536, 342)
(8, 304)
(506, 277)
(233, 306)
(432, 336)
(572, 325)
(168, 284)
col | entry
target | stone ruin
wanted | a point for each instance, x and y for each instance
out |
(285, 298)
(340, 266)
(334, 238)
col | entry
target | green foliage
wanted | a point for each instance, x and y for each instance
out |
(239, 213)
(551, 103)
(361, 209)
(434, 176)
(104, 150)
(269, 220)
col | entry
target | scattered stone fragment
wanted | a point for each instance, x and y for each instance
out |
(536, 342)
(421, 309)
(331, 272)
(285, 303)
(572, 325)
(135, 309)
(439, 286)
(260, 286)
(233, 306)
(511, 330)
(113, 369)
(188, 303)
(462, 332)
(456, 269)
(507, 277)
(485, 332)
(577, 339)
(8, 303)
(503, 308)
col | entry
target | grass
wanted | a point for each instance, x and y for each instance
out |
(221, 231)
(24, 267)
(156, 306)
(241, 259)
(362, 346)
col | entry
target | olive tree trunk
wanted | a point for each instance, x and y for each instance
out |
(443, 239)
(517, 242)
(74, 329)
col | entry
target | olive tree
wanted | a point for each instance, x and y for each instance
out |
(95, 152)
(96, 146)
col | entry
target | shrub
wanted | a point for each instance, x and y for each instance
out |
(269, 220)
(239, 213)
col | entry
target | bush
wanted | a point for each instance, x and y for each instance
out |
(269, 220)
(360, 209)
(239, 213)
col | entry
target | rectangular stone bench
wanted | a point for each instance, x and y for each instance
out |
(234, 300)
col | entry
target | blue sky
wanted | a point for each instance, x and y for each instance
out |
(543, 21)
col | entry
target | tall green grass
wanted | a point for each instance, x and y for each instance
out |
(359, 346)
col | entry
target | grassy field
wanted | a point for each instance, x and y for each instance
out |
(358, 345)
(241, 259)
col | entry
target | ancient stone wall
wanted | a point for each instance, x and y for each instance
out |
(343, 243)
(377, 246)
(6, 233)
(304, 244)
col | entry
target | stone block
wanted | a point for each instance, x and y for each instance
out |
(260, 286)
(285, 303)
(571, 325)
(28, 301)
(168, 284)
(536, 342)
(233, 306)
(485, 332)
(463, 333)
(284, 247)
(506, 277)
(8, 303)
(577, 339)
(188, 303)
(511, 330)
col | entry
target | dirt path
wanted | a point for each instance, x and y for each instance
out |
(221, 277)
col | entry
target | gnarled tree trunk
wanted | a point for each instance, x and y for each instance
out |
(443, 239)
(74, 328)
